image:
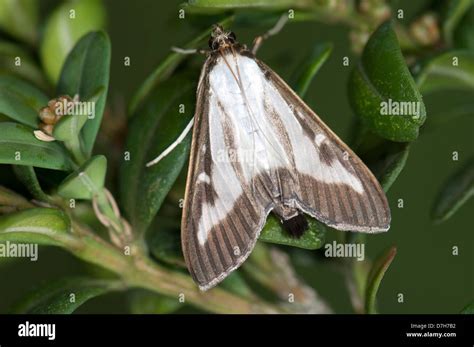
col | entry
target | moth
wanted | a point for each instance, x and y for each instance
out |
(258, 148)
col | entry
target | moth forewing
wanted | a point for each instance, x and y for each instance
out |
(256, 148)
(369, 205)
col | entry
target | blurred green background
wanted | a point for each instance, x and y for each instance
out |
(431, 279)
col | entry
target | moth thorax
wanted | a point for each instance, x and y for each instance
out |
(220, 39)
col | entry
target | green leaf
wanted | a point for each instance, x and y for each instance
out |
(20, 18)
(440, 73)
(386, 159)
(28, 69)
(21, 101)
(166, 68)
(86, 181)
(380, 79)
(86, 72)
(165, 245)
(464, 33)
(68, 128)
(153, 128)
(63, 296)
(453, 13)
(45, 226)
(310, 67)
(379, 268)
(262, 4)
(391, 164)
(313, 238)
(146, 302)
(19, 146)
(27, 176)
(469, 309)
(62, 32)
(456, 191)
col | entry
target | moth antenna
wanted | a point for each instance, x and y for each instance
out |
(173, 145)
(273, 31)
(188, 51)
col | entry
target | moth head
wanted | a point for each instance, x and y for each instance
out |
(221, 38)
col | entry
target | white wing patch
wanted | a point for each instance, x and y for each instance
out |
(203, 177)
(258, 145)
(319, 139)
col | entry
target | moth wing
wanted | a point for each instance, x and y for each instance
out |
(328, 180)
(296, 163)
(221, 217)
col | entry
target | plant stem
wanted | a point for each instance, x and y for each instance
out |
(140, 271)
(150, 276)
(74, 146)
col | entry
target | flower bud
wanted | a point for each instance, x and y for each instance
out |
(47, 116)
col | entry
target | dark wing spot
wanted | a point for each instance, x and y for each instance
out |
(325, 154)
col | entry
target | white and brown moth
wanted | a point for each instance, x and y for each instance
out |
(258, 148)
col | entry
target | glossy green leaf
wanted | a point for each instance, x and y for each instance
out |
(379, 268)
(14, 60)
(167, 66)
(263, 4)
(45, 226)
(249, 17)
(27, 176)
(153, 128)
(68, 127)
(313, 238)
(391, 164)
(62, 31)
(456, 191)
(147, 302)
(386, 159)
(464, 32)
(310, 67)
(21, 101)
(63, 296)
(453, 13)
(380, 84)
(19, 146)
(165, 245)
(86, 72)
(20, 18)
(86, 181)
(450, 70)
(469, 309)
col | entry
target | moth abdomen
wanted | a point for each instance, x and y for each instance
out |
(296, 226)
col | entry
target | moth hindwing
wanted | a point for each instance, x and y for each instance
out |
(258, 148)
